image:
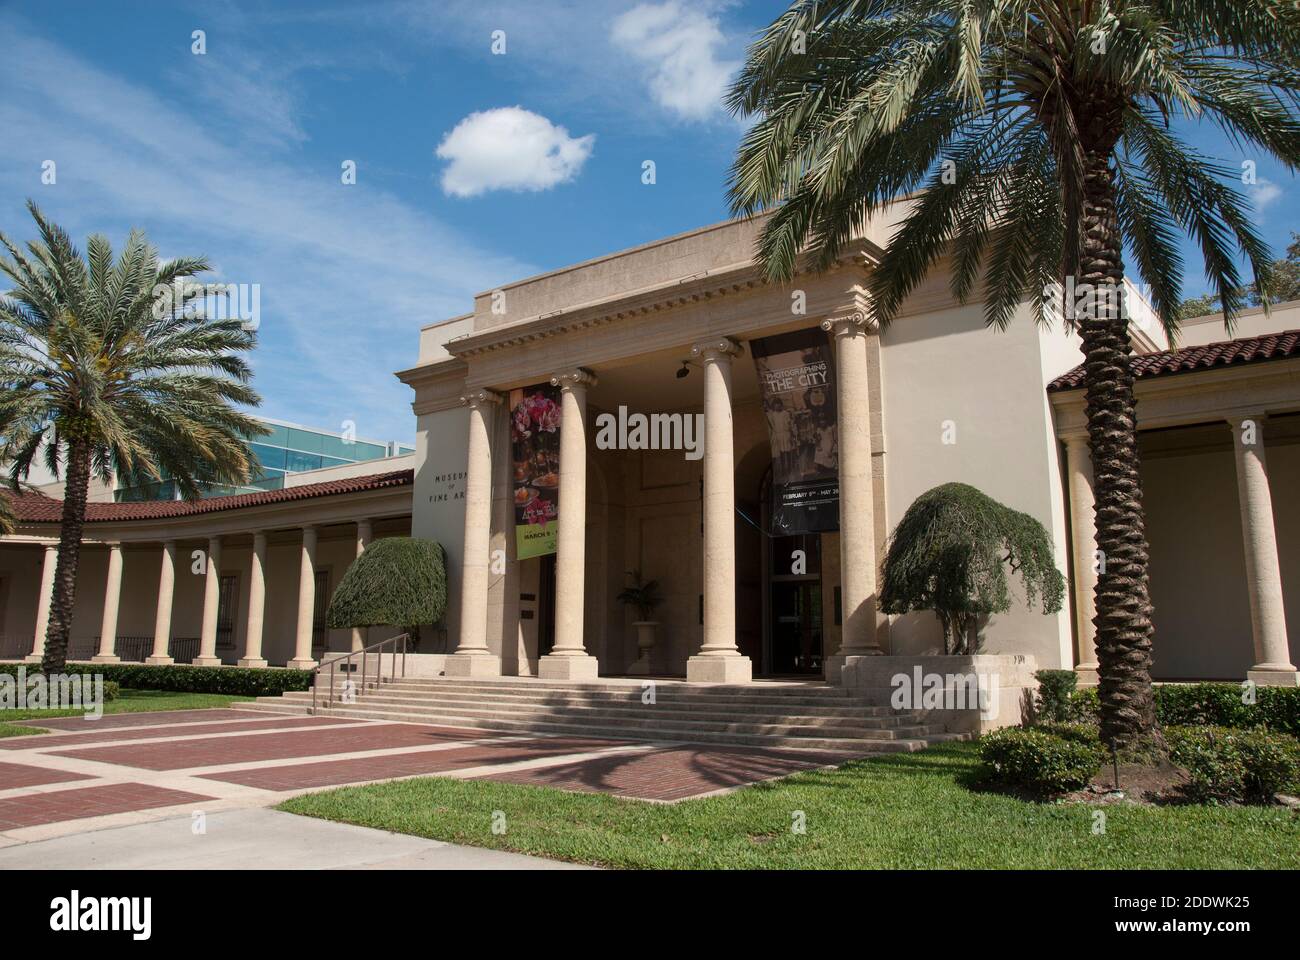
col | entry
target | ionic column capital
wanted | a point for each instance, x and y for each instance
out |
(716, 348)
(481, 397)
(857, 319)
(1238, 417)
(577, 377)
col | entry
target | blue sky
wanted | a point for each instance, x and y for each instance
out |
(473, 169)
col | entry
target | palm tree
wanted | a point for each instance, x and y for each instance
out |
(109, 366)
(1039, 133)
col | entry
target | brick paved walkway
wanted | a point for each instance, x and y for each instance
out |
(131, 768)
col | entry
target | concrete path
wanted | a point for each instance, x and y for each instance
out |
(257, 839)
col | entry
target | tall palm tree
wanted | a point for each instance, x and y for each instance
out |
(1039, 131)
(112, 365)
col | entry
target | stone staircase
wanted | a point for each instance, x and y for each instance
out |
(808, 716)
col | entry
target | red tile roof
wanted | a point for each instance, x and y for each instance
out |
(1274, 346)
(32, 507)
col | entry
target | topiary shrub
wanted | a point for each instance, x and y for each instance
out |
(1235, 766)
(1055, 687)
(1043, 762)
(950, 553)
(396, 582)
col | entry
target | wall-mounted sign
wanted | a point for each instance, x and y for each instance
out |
(796, 377)
(535, 462)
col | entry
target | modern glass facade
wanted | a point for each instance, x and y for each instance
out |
(287, 449)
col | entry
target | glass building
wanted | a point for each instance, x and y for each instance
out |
(288, 448)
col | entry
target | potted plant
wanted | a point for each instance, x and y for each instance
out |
(644, 596)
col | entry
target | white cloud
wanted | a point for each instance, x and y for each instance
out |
(510, 148)
(681, 50)
(1263, 193)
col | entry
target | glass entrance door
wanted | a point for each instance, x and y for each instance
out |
(796, 627)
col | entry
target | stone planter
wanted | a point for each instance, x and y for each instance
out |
(966, 693)
(645, 641)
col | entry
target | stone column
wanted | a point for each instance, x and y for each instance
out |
(43, 601)
(1273, 666)
(112, 597)
(472, 657)
(1083, 533)
(302, 658)
(256, 605)
(211, 601)
(857, 495)
(568, 659)
(719, 660)
(162, 624)
(365, 531)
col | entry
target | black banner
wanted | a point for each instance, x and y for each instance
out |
(796, 376)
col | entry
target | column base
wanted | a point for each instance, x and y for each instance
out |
(307, 664)
(473, 665)
(1087, 675)
(255, 662)
(561, 667)
(159, 661)
(206, 661)
(105, 658)
(32, 658)
(1286, 676)
(707, 668)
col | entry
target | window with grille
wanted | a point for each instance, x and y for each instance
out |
(226, 601)
(318, 629)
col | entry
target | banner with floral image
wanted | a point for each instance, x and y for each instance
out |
(535, 462)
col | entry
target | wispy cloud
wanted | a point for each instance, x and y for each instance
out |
(348, 274)
(681, 50)
(510, 148)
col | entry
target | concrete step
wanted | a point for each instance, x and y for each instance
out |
(841, 744)
(651, 724)
(664, 696)
(668, 727)
(840, 716)
(631, 686)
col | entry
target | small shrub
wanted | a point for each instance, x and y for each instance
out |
(112, 690)
(1040, 761)
(1235, 766)
(1054, 690)
(1085, 706)
(1075, 732)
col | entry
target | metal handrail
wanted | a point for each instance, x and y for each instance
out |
(379, 667)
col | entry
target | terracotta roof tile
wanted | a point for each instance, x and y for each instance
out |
(1274, 346)
(36, 508)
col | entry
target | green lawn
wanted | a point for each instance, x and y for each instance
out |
(902, 811)
(129, 701)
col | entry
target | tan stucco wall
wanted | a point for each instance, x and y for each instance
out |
(946, 365)
(1198, 573)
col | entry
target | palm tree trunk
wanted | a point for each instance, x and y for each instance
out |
(76, 482)
(1123, 618)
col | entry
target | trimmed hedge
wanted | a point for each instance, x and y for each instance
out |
(1055, 688)
(1044, 761)
(1210, 704)
(182, 678)
(1235, 766)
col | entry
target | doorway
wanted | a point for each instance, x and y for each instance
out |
(546, 605)
(796, 627)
